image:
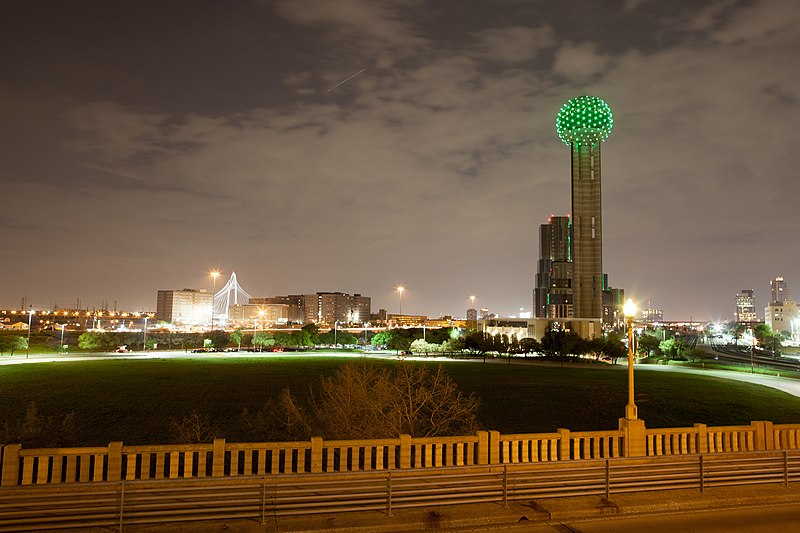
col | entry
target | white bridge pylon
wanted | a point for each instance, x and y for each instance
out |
(231, 294)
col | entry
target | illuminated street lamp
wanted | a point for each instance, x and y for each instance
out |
(214, 275)
(30, 317)
(400, 290)
(629, 310)
(144, 342)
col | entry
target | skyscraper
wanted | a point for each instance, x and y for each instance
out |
(583, 123)
(552, 295)
(780, 291)
(745, 306)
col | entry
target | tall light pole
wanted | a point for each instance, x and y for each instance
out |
(30, 317)
(400, 290)
(144, 342)
(214, 275)
(629, 310)
(62, 336)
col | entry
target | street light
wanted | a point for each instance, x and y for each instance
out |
(62, 336)
(30, 317)
(144, 342)
(214, 275)
(629, 310)
(400, 290)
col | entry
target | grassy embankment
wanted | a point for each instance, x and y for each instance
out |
(133, 401)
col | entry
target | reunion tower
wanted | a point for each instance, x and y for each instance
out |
(583, 123)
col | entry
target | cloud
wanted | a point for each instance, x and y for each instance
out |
(579, 62)
(513, 45)
(379, 23)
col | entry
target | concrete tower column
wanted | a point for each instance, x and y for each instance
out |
(587, 231)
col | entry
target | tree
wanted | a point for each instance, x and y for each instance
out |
(381, 339)
(648, 344)
(89, 341)
(263, 338)
(673, 347)
(529, 345)
(309, 335)
(11, 343)
(218, 338)
(362, 401)
(560, 344)
(192, 429)
(422, 346)
(236, 337)
(614, 348)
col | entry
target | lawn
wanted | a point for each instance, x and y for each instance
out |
(134, 400)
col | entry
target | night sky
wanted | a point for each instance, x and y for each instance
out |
(145, 143)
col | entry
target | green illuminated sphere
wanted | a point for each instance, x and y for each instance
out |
(584, 120)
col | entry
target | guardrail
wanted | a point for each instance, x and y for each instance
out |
(265, 498)
(118, 462)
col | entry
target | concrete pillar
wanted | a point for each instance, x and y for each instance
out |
(405, 451)
(702, 438)
(635, 443)
(10, 465)
(494, 447)
(564, 453)
(765, 436)
(218, 458)
(483, 447)
(316, 455)
(115, 461)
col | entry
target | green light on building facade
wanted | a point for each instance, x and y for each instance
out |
(584, 120)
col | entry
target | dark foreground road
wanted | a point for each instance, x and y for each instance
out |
(778, 519)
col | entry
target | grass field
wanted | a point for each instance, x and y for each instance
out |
(134, 400)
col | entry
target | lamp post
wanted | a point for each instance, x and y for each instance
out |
(62, 336)
(629, 310)
(214, 275)
(400, 290)
(30, 317)
(144, 342)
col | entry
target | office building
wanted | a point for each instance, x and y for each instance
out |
(553, 292)
(779, 289)
(745, 306)
(185, 307)
(782, 317)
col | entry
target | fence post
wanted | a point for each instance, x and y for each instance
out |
(218, 458)
(10, 465)
(114, 461)
(316, 455)
(494, 447)
(405, 451)
(564, 445)
(483, 448)
(702, 438)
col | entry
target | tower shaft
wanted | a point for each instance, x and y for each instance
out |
(587, 241)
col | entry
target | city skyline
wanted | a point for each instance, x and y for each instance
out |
(356, 146)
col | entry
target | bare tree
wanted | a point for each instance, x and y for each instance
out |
(366, 401)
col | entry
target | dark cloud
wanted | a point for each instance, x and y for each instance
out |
(152, 142)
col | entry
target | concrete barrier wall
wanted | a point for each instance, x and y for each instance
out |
(118, 462)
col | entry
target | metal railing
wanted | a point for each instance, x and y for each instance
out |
(264, 498)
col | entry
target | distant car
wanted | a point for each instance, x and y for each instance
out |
(277, 349)
(122, 349)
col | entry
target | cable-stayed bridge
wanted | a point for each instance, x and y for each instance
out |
(231, 294)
